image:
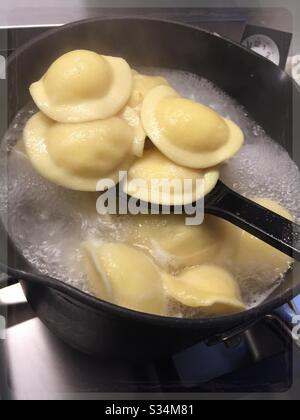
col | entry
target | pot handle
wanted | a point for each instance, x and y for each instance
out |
(288, 319)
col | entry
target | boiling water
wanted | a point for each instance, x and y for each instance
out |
(48, 223)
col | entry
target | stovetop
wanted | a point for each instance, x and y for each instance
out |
(35, 364)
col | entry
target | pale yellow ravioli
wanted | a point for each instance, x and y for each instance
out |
(124, 275)
(142, 84)
(169, 239)
(78, 156)
(156, 179)
(206, 287)
(82, 85)
(254, 258)
(132, 117)
(188, 133)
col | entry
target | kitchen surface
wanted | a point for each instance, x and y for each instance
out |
(261, 362)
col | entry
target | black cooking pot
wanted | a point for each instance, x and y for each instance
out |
(268, 95)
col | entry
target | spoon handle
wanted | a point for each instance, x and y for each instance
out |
(266, 225)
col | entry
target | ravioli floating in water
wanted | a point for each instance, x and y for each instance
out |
(156, 179)
(206, 287)
(142, 85)
(188, 133)
(77, 156)
(125, 276)
(256, 259)
(82, 85)
(167, 237)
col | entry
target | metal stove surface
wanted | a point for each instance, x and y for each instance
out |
(37, 365)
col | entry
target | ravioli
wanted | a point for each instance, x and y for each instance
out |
(132, 117)
(188, 133)
(254, 258)
(169, 239)
(125, 276)
(206, 287)
(77, 156)
(142, 85)
(82, 86)
(156, 179)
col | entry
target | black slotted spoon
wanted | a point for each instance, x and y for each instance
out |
(264, 224)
